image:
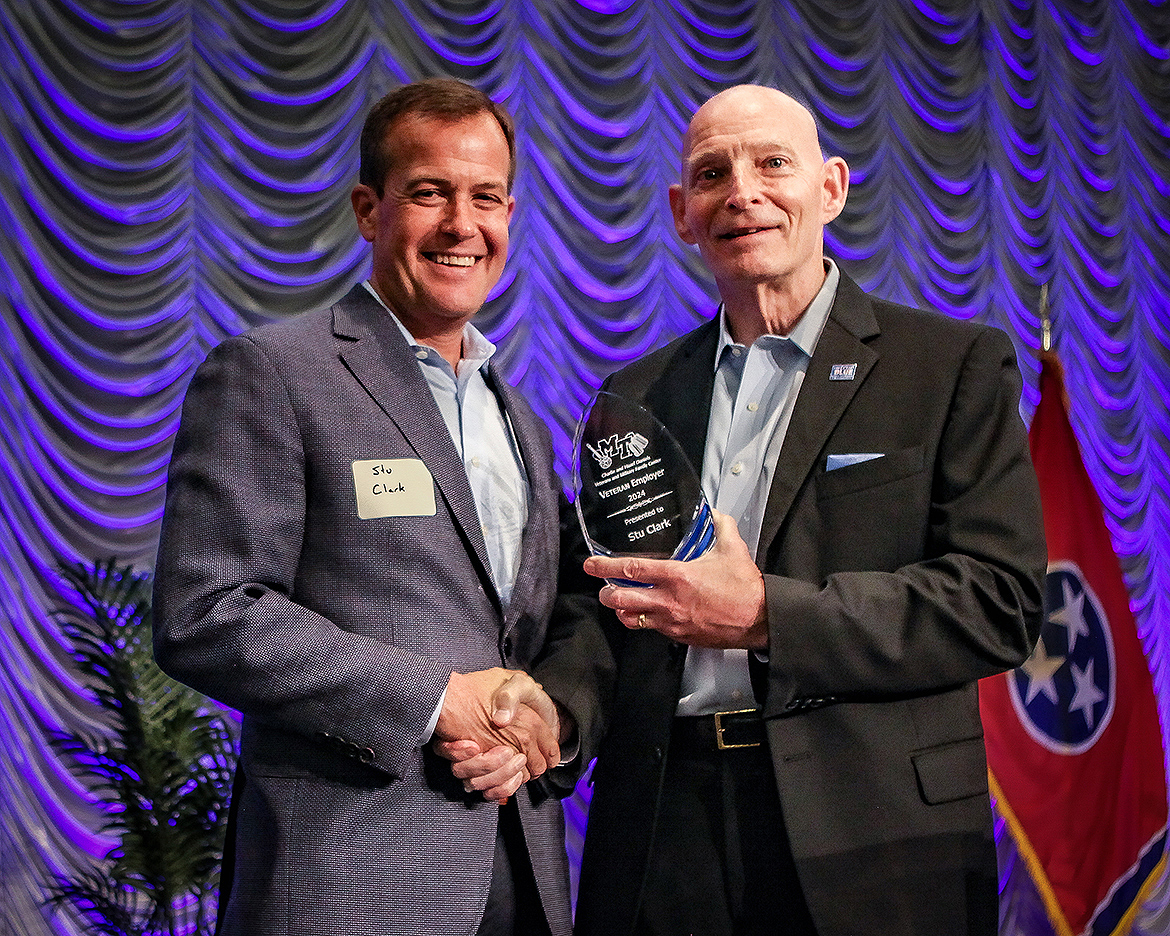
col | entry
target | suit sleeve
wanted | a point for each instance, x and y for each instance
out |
(231, 541)
(577, 666)
(968, 608)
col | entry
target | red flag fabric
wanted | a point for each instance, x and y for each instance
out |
(1074, 746)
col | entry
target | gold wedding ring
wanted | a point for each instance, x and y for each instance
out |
(641, 620)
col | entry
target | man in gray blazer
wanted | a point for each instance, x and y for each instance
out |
(359, 553)
(795, 744)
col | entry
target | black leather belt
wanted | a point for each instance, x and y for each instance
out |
(723, 731)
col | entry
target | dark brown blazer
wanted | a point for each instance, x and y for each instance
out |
(892, 586)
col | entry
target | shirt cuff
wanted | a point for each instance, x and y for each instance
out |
(434, 722)
(569, 750)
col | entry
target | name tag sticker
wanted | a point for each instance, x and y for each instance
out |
(393, 487)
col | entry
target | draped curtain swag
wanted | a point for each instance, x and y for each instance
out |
(178, 170)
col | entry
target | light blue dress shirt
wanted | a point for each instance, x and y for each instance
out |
(484, 440)
(751, 406)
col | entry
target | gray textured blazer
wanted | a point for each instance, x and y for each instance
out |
(335, 635)
(892, 586)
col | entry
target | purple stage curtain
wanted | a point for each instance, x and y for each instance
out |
(178, 170)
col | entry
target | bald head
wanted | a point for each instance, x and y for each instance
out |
(746, 105)
(754, 197)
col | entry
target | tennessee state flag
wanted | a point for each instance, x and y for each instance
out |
(1074, 746)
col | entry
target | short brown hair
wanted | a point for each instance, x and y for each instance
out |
(442, 98)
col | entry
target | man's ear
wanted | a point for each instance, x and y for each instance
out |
(365, 203)
(678, 208)
(835, 188)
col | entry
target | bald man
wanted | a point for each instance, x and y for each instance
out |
(795, 745)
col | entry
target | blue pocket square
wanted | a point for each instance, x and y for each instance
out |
(854, 458)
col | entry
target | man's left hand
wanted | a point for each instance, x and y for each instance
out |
(497, 773)
(716, 600)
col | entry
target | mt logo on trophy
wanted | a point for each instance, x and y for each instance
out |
(631, 445)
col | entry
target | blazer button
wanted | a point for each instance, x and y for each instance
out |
(656, 754)
(507, 646)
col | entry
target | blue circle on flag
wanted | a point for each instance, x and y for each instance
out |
(1065, 692)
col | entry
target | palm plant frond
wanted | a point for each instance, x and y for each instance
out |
(163, 772)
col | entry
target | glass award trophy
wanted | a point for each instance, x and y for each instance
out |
(637, 493)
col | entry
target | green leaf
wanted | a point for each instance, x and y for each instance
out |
(164, 772)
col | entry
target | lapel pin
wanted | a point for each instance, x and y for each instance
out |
(842, 372)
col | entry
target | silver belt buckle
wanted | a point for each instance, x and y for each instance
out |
(719, 729)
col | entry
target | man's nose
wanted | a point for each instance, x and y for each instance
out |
(460, 219)
(743, 187)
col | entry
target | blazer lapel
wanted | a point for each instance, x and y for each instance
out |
(821, 401)
(542, 501)
(681, 397)
(375, 352)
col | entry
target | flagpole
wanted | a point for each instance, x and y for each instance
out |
(1045, 320)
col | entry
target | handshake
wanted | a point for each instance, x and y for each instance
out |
(499, 729)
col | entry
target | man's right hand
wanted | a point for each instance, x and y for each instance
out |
(499, 708)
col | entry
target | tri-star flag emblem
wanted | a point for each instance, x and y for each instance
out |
(1064, 692)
